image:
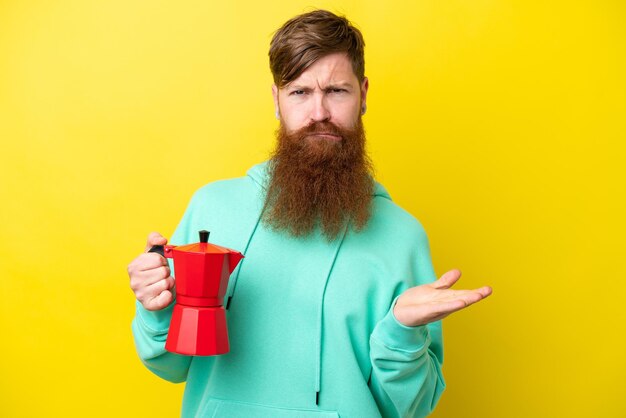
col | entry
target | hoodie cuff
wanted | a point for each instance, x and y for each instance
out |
(157, 322)
(395, 335)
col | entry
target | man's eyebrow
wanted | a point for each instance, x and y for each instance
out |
(338, 85)
(297, 87)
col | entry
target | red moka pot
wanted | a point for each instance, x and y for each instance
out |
(201, 270)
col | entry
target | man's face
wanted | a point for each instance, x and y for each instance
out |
(328, 91)
(320, 172)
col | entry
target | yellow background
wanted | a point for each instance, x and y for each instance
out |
(499, 124)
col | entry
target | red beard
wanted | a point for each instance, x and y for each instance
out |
(316, 180)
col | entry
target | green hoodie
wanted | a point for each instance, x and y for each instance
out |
(310, 322)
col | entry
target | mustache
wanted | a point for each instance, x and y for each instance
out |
(320, 128)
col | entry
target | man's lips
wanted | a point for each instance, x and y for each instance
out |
(326, 135)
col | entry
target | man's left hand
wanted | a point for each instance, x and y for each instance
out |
(427, 303)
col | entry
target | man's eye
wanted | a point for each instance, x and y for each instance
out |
(297, 92)
(337, 90)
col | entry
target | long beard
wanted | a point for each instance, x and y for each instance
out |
(319, 181)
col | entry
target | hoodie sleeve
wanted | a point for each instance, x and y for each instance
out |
(406, 361)
(150, 328)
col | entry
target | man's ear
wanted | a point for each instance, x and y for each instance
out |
(364, 87)
(275, 95)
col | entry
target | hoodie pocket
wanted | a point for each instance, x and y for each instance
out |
(217, 408)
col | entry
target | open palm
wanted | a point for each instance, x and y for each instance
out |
(427, 303)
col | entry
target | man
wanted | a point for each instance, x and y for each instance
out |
(335, 311)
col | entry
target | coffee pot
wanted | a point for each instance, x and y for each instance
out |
(201, 270)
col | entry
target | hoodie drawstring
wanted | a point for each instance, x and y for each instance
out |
(320, 319)
(245, 250)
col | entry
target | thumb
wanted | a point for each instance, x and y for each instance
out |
(447, 279)
(154, 238)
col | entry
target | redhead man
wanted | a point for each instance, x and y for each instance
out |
(336, 309)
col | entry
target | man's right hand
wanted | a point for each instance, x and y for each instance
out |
(150, 277)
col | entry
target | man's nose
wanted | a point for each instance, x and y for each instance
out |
(320, 111)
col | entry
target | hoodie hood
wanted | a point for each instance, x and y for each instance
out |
(259, 175)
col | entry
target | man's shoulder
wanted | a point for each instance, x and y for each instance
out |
(236, 187)
(225, 207)
(226, 196)
(388, 213)
(392, 228)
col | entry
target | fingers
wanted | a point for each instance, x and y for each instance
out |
(148, 261)
(485, 291)
(448, 279)
(155, 289)
(145, 277)
(469, 297)
(159, 302)
(150, 277)
(154, 238)
(145, 271)
(415, 315)
(413, 311)
(157, 295)
(424, 314)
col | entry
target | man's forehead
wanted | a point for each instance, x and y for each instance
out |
(333, 69)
